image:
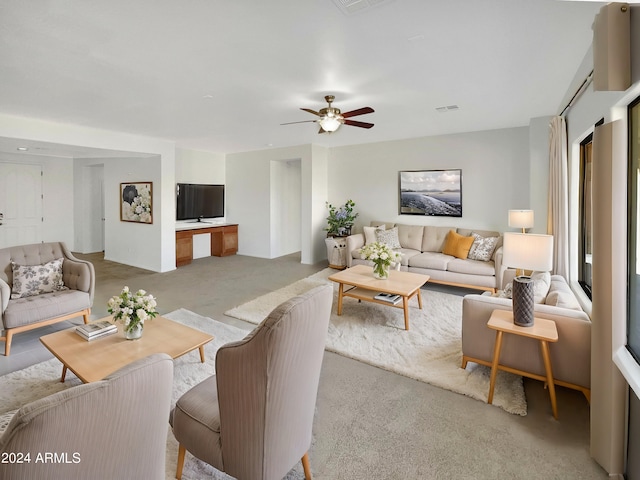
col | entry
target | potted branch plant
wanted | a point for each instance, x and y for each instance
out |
(340, 219)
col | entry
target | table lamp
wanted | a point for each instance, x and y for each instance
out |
(521, 219)
(526, 252)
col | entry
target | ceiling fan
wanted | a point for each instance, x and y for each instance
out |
(331, 118)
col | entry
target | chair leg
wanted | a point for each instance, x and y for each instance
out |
(7, 342)
(306, 467)
(181, 452)
(86, 315)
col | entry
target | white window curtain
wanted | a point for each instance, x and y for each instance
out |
(558, 209)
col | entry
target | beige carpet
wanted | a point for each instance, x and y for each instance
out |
(20, 387)
(430, 351)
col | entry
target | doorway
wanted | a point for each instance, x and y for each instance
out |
(285, 208)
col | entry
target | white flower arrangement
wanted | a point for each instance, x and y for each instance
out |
(132, 309)
(381, 255)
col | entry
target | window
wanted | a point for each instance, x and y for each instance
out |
(586, 226)
(633, 232)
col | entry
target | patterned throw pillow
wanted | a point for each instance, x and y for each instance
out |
(370, 233)
(389, 237)
(482, 248)
(29, 280)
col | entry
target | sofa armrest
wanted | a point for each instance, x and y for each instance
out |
(497, 260)
(5, 295)
(79, 275)
(354, 242)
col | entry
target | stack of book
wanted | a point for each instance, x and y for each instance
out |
(93, 330)
(388, 297)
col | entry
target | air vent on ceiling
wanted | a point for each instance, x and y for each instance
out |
(447, 108)
(352, 6)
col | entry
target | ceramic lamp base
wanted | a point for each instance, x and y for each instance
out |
(522, 297)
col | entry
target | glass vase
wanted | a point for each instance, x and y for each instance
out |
(132, 332)
(381, 271)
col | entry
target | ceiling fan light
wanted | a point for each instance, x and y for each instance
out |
(329, 123)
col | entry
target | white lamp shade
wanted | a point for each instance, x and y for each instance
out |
(528, 251)
(521, 218)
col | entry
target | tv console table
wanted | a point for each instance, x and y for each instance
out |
(224, 240)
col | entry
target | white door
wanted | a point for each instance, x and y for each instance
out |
(20, 204)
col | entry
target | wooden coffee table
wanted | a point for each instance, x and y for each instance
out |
(94, 360)
(365, 287)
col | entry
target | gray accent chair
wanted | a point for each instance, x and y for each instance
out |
(22, 314)
(253, 419)
(113, 428)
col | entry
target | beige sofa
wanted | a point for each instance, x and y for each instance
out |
(73, 297)
(570, 355)
(421, 248)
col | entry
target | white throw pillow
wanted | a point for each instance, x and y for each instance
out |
(541, 284)
(389, 237)
(370, 233)
(563, 300)
(30, 280)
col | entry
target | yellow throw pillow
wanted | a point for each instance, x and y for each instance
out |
(457, 245)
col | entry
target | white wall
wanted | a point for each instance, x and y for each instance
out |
(193, 166)
(132, 243)
(249, 194)
(495, 171)
(315, 184)
(159, 249)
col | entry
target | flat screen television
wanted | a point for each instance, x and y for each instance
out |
(197, 201)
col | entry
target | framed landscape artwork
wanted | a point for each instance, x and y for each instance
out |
(135, 202)
(430, 192)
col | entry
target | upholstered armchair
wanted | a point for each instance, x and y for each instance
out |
(41, 297)
(113, 428)
(253, 419)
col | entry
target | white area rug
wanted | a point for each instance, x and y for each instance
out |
(430, 351)
(40, 380)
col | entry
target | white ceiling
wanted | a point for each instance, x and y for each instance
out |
(222, 75)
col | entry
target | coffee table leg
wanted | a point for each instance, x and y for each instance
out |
(340, 292)
(201, 348)
(419, 299)
(64, 373)
(494, 365)
(405, 304)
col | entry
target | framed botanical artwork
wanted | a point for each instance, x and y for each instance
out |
(430, 192)
(135, 202)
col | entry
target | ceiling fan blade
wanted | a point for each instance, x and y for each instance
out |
(360, 111)
(303, 121)
(311, 111)
(322, 130)
(355, 123)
